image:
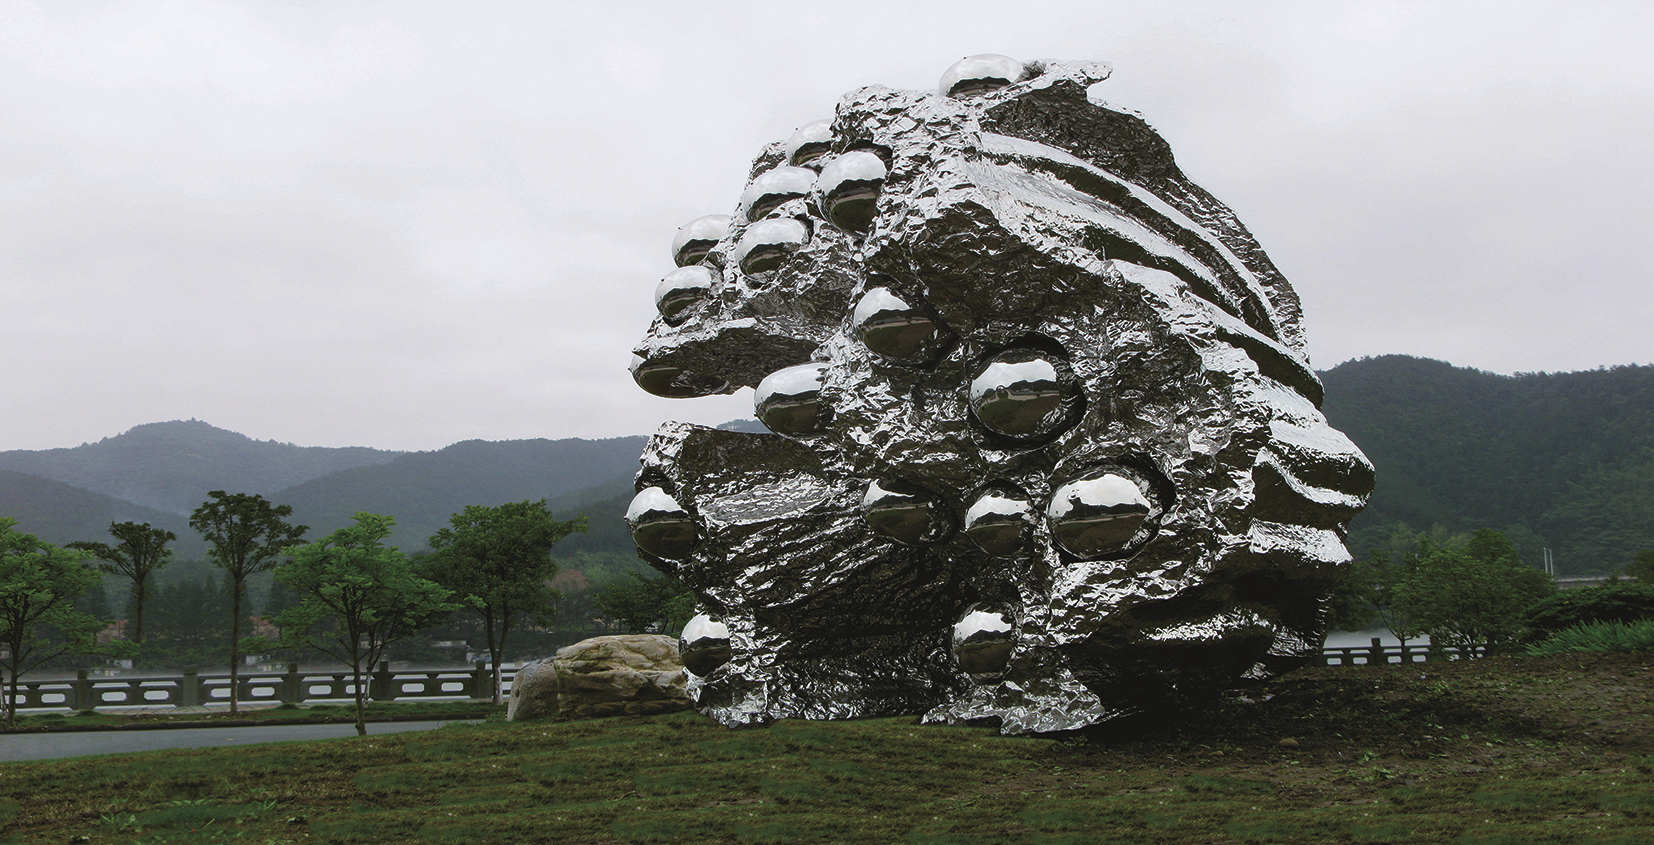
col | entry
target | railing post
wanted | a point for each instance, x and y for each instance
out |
(1375, 653)
(189, 689)
(83, 691)
(290, 682)
(379, 688)
(482, 681)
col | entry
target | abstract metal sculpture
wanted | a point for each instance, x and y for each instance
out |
(1047, 448)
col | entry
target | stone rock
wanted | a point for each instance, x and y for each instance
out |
(619, 675)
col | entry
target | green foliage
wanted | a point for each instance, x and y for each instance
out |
(641, 603)
(39, 584)
(1467, 593)
(1599, 636)
(1619, 601)
(1642, 566)
(356, 596)
(140, 552)
(498, 560)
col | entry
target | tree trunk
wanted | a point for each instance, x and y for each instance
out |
(494, 657)
(138, 592)
(8, 685)
(356, 677)
(235, 644)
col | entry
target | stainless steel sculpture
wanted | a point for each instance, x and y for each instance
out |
(1047, 446)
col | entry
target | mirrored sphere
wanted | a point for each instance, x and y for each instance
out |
(1021, 393)
(767, 243)
(810, 142)
(888, 325)
(849, 189)
(1102, 514)
(697, 238)
(682, 289)
(982, 643)
(660, 526)
(904, 513)
(998, 521)
(704, 645)
(789, 401)
(979, 73)
(674, 382)
(774, 187)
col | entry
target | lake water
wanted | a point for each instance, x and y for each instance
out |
(48, 746)
(1352, 639)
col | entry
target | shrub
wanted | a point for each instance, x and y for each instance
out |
(1618, 601)
(1599, 636)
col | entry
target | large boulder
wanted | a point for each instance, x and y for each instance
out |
(620, 675)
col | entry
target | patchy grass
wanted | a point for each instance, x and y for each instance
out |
(1497, 750)
(390, 711)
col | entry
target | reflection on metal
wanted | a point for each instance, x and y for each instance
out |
(697, 238)
(681, 290)
(789, 401)
(660, 526)
(1052, 448)
(704, 645)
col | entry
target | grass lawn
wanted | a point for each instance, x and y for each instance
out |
(1497, 750)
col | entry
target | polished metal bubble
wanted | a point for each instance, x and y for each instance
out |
(774, 187)
(674, 382)
(982, 643)
(661, 526)
(905, 512)
(697, 238)
(809, 143)
(890, 326)
(767, 243)
(849, 188)
(1100, 515)
(704, 644)
(979, 73)
(998, 521)
(788, 401)
(681, 290)
(1024, 394)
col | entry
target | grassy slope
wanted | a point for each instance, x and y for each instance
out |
(1506, 749)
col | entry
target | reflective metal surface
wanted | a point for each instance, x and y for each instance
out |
(1053, 450)
(849, 188)
(789, 401)
(681, 290)
(697, 238)
(893, 328)
(767, 243)
(979, 73)
(1024, 393)
(704, 645)
(660, 526)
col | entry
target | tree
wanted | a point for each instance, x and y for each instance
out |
(356, 596)
(245, 535)
(498, 559)
(39, 584)
(642, 603)
(1469, 592)
(141, 551)
(1642, 566)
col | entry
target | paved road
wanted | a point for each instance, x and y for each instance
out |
(81, 743)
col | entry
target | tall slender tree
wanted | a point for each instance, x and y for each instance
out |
(498, 559)
(245, 535)
(141, 550)
(39, 583)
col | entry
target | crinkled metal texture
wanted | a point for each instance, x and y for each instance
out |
(1028, 216)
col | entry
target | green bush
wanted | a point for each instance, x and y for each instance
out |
(1599, 636)
(1617, 601)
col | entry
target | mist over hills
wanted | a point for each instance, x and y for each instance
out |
(1564, 460)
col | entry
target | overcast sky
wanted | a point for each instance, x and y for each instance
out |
(403, 224)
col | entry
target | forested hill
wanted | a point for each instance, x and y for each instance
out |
(60, 513)
(170, 466)
(1558, 459)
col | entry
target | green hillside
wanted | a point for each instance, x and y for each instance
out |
(59, 513)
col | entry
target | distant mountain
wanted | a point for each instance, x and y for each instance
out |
(1564, 460)
(59, 513)
(421, 489)
(170, 466)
